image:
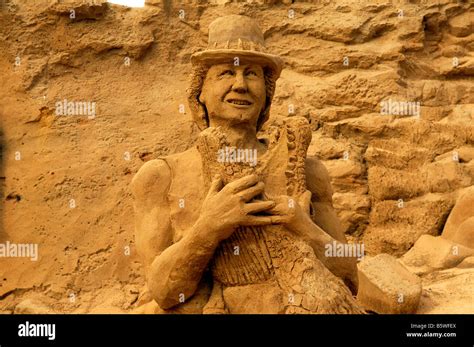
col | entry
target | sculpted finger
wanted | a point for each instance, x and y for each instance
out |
(283, 204)
(279, 209)
(242, 183)
(264, 220)
(249, 193)
(255, 207)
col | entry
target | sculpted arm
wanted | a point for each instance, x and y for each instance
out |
(325, 218)
(171, 269)
(320, 227)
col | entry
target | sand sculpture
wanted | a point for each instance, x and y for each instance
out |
(240, 222)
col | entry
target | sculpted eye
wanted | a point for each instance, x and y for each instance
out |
(252, 73)
(227, 72)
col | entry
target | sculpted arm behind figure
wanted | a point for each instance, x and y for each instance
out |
(322, 227)
(319, 183)
(173, 271)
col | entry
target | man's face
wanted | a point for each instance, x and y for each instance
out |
(234, 93)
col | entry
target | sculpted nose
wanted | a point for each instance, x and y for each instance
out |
(240, 84)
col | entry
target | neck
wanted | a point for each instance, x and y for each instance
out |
(239, 135)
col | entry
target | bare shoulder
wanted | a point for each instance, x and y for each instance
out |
(153, 178)
(318, 180)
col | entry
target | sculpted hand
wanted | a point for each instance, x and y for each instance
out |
(226, 208)
(294, 213)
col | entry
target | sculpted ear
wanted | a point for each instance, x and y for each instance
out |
(200, 115)
(203, 93)
(201, 99)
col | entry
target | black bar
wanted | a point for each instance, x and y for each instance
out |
(315, 330)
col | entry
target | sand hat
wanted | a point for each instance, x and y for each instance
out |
(237, 36)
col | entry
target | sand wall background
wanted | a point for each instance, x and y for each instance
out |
(394, 177)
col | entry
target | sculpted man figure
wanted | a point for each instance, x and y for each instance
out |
(240, 222)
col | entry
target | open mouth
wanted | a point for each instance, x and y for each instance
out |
(239, 102)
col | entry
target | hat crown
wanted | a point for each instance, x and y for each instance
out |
(235, 32)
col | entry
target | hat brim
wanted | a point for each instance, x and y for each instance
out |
(213, 56)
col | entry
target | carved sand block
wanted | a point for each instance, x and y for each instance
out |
(431, 253)
(386, 286)
(459, 227)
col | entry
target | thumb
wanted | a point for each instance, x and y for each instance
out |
(305, 201)
(216, 185)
